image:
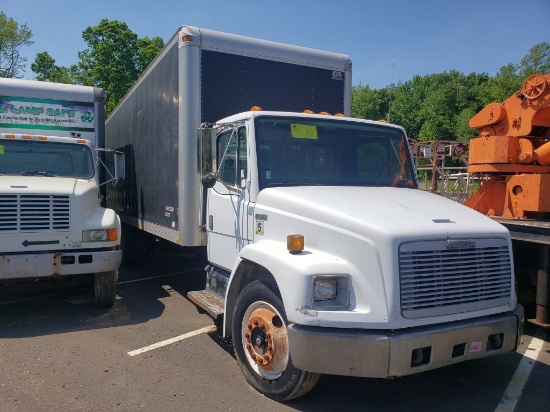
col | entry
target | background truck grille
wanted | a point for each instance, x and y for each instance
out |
(439, 281)
(34, 213)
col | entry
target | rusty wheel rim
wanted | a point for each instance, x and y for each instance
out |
(534, 86)
(264, 336)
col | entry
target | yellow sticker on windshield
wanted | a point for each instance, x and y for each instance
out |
(303, 131)
(1, 149)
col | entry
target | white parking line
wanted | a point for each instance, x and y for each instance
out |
(7, 302)
(172, 340)
(515, 387)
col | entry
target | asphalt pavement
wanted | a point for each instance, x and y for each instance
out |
(154, 351)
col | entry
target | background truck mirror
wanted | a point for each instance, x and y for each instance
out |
(120, 166)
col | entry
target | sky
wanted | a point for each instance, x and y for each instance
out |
(388, 41)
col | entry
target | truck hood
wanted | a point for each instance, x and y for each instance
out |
(359, 233)
(74, 202)
(389, 212)
(37, 184)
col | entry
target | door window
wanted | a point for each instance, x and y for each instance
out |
(231, 150)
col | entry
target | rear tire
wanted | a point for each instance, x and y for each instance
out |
(105, 288)
(260, 340)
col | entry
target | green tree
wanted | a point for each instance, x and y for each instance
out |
(147, 51)
(407, 104)
(366, 103)
(536, 61)
(13, 36)
(114, 59)
(501, 86)
(46, 69)
(439, 106)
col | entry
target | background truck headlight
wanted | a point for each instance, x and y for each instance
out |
(100, 235)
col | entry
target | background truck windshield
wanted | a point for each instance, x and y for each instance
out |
(298, 151)
(27, 157)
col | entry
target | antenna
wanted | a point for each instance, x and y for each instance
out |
(388, 117)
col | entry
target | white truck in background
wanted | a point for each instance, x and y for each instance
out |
(53, 226)
(324, 258)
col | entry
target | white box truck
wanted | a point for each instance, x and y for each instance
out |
(53, 226)
(324, 258)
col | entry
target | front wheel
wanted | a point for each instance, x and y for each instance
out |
(105, 288)
(260, 340)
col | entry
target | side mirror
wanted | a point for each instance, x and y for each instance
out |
(205, 156)
(120, 166)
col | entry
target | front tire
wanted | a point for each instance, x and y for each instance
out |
(260, 340)
(105, 288)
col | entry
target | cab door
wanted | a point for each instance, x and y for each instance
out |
(227, 223)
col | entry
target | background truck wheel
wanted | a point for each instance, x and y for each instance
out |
(105, 288)
(261, 345)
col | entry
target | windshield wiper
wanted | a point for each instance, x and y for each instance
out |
(275, 184)
(38, 173)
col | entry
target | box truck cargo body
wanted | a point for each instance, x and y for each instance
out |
(203, 76)
(52, 223)
(324, 258)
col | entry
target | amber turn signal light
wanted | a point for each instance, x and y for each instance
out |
(295, 243)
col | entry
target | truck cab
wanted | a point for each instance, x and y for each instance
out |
(325, 258)
(293, 152)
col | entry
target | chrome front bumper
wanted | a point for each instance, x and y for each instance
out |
(387, 354)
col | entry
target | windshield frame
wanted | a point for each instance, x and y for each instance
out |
(330, 152)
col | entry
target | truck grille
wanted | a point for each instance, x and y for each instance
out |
(34, 213)
(436, 280)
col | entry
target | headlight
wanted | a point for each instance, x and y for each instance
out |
(331, 292)
(100, 235)
(325, 289)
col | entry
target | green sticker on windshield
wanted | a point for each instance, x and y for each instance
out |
(1, 149)
(302, 131)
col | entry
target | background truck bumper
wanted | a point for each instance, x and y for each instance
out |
(385, 354)
(41, 265)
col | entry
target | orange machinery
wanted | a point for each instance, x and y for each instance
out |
(513, 151)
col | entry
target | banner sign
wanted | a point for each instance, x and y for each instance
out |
(42, 114)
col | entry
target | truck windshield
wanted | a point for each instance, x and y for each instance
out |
(298, 151)
(43, 158)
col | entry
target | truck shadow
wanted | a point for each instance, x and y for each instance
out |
(71, 311)
(477, 385)
(54, 311)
